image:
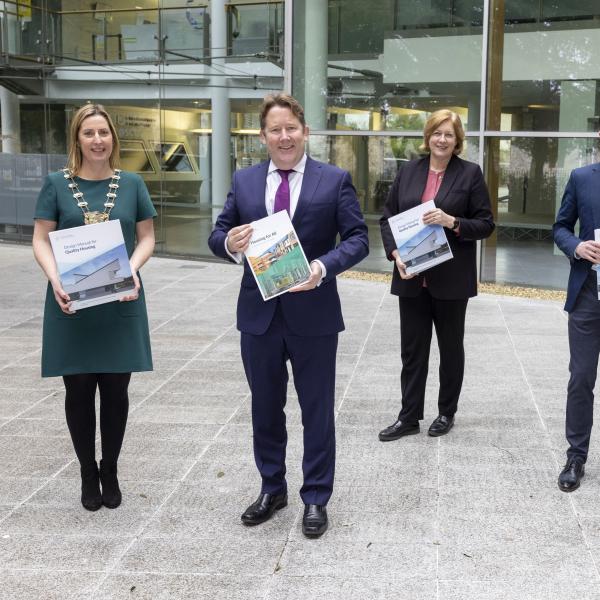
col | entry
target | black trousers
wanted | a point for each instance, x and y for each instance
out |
(584, 346)
(80, 409)
(417, 316)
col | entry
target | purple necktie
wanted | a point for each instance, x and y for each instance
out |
(282, 196)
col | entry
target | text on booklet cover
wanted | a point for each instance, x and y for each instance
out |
(275, 255)
(420, 246)
(92, 263)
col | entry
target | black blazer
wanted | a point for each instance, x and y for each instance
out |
(464, 195)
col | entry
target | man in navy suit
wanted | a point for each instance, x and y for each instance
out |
(581, 202)
(302, 325)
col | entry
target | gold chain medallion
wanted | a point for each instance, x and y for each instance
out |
(91, 217)
(94, 216)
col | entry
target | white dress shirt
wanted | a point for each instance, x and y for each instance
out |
(274, 179)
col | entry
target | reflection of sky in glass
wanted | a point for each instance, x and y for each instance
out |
(120, 253)
(416, 239)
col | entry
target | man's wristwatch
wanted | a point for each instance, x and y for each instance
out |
(455, 225)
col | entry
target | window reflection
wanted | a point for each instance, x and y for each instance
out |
(173, 157)
(135, 158)
(556, 88)
(533, 173)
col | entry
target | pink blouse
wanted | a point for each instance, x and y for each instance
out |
(434, 181)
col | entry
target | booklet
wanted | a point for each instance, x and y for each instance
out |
(275, 255)
(420, 246)
(92, 262)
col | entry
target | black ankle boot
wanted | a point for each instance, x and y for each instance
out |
(90, 487)
(111, 494)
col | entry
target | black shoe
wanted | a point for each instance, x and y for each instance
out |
(397, 430)
(441, 426)
(90, 487)
(314, 521)
(111, 494)
(263, 508)
(570, 477)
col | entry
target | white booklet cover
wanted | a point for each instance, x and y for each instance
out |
(420, 246)
(275, 255)
(92, 262)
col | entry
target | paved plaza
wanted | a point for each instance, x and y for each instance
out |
(474, 515)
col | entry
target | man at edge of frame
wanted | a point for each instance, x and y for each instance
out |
(580, 202)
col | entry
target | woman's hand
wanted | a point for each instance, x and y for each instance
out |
(401, 266)
(438, 217)
(135, 294)
(62, 299)
(144, 233)
(45, 258)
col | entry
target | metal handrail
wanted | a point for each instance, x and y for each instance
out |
(257, 2)
(47, 49)
(117, 10)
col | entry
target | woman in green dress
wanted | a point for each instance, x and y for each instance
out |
(99, 346)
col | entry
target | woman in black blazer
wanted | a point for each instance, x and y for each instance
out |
(439, 295)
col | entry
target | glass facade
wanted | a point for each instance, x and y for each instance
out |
(184, 81)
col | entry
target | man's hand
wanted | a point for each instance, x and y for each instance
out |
(238, 238)
(589, 250)
(438, 217)
(315, 276)
(401, 266)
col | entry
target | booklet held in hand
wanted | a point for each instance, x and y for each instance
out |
(92, 263)
(420, 246)
(275, 255)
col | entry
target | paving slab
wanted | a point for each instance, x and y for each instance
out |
(223, 557)
(307, 587)
(473, 515)
(492, 561)
(183, 586)
(361, 558)
(57, 585)
(532, 588)
(73, 520)
(59, 552)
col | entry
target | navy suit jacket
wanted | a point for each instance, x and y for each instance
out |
(580, 202)
(327, 207)
(462, 194)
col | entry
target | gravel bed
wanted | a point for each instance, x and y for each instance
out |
(484, 288)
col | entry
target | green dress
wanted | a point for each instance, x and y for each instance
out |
(111, 337)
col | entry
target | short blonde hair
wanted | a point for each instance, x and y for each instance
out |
(74, 158)
(435, 120)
